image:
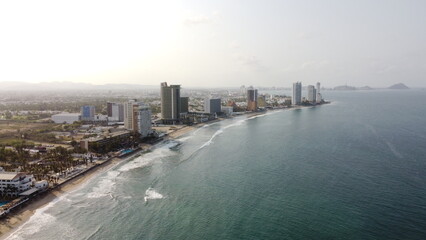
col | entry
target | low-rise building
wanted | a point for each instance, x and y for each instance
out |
(66, 118)
(14, 183)
(227, 110)
(100, 144)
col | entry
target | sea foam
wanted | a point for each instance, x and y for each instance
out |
(106, 184)
(151, 194)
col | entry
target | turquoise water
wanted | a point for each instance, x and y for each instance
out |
(353, 169)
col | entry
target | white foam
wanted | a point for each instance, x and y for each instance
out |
(151, 194)
(107, 183)
(149, 158)
(184, 139)
(218, 132)
(105, 186)
(37, 222)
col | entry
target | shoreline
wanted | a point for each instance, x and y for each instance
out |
(12, 222)
(16, 219)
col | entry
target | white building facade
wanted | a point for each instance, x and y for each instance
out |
(129, 116)
(14, 183)
(144, 120)
(66, 118)
(312, 94)
(319, 97)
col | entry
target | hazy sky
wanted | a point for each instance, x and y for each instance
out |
(215, 43)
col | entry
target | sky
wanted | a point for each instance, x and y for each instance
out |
(215, 43)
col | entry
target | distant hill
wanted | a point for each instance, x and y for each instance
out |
(344, 88)
(55, 86)
(399, 86)
(365, 88)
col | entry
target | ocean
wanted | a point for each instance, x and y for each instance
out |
(352, 169)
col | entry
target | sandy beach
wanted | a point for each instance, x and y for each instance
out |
(20, 216)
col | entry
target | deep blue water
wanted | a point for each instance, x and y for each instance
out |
(353, 169)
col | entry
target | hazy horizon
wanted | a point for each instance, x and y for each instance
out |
(215, 44)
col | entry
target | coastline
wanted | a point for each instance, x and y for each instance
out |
(13, 221)
(16, 219)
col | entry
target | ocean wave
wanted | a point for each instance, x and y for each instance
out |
(149, 158)
(221, 130)
(106, 184)
(37, 222)
(151, 194)
(184, 139)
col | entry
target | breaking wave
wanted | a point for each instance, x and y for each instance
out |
(106, 184)
(151, 194)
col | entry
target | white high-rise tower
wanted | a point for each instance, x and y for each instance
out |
(319, 97)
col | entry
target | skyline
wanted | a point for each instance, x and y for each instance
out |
(215, 43)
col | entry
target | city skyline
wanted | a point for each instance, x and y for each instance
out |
(215, 43)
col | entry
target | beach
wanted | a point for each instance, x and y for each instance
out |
(20, 216)
(15, 219)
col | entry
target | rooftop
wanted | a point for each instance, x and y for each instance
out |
(10, 175)
(67, 114)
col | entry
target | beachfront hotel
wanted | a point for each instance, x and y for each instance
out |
(319, 97)
(296, 98)
(312, 94)
(212, 105)
(251, 99)
(14, 183)
(170, 103)
(137, 117)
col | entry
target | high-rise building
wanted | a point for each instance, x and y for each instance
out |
(109, 108)
(251, 99)
(87, 113)
(297, 93)
(144, 124)
(115, 112)
(319, 97)
(312, 94)
(212, 105)
(137, 117)
(243, 90)
(130, 118)
(184, 104)
(170, 103)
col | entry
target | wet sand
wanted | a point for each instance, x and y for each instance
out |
(20, 216)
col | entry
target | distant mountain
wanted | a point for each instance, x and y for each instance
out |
(399, 86)
(365, 88)
(345, 88)
(58, 86)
